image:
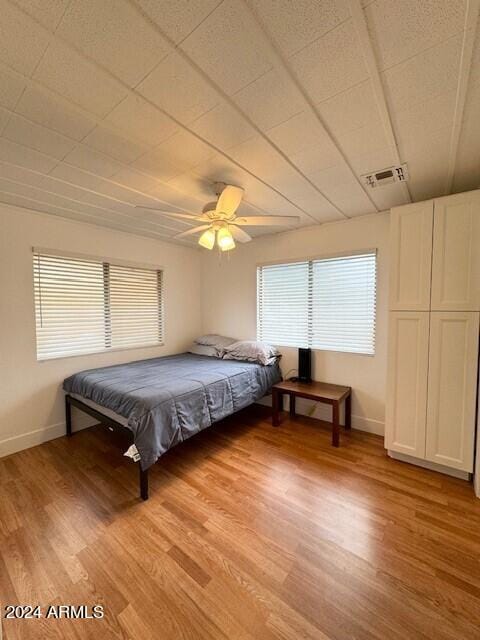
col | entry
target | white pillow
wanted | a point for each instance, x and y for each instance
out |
(214, 340)
(204, 350)
(251, 351)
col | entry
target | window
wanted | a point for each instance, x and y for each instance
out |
(325, 304)
(84, 305)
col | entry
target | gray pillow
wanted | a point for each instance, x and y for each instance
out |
(251, 351)
(203, 350)
(214, 340)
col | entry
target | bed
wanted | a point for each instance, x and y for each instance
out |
(163, 401)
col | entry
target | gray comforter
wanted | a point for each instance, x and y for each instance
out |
(167, 400)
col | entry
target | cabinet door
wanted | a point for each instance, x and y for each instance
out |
(411, 256)
(452, 388)
(407, 382)
(456, 258)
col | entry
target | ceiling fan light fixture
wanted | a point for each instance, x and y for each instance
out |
(225, 239)
(207, 239)
(220, 221)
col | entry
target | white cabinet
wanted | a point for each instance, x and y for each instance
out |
(411, 256)
(407, 382)
(435, 261)
(452, 388)
(433, 331)
(456, 254)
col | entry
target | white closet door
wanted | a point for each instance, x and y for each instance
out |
(411, 256)
(452, 386)
(456, 255)
(407, 382)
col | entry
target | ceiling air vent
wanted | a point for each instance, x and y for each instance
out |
(398, 173)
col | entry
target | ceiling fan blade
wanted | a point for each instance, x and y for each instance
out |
(239, 234)
(193, 230)
(174, 214)
(258, 221)
(229, 200)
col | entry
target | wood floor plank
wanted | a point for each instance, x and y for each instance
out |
(250, 533)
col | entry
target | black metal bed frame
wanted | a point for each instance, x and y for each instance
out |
(112, 425)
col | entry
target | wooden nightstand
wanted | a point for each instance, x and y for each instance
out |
(332, 394)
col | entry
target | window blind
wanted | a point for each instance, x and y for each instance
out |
(87, 306)
(343, 304)
(282, 303)
(327, 304)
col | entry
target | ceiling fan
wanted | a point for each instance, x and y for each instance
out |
(220, 221)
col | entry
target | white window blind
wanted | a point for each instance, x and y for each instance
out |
(87, 306)
(327, 304)
(282, 304)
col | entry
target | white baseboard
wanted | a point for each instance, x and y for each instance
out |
(34, 438)
(38, 436)
(31, 439)
(432, 466)
(324, 412)
(369, 425)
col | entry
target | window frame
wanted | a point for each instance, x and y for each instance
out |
(110, 262)
(310, 259)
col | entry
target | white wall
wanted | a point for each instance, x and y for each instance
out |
(31, 401)
(229, 306)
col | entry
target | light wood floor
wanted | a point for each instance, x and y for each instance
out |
(250, 533)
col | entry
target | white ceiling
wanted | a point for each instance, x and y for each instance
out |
(107, 105)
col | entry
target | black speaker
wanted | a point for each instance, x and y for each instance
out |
(304, 365)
